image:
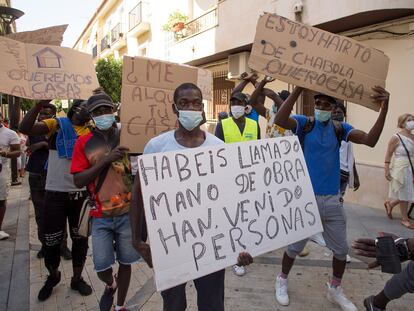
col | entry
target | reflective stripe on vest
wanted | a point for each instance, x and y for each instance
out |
(232, 132)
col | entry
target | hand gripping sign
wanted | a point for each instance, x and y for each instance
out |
(204, 206)
(318, 60)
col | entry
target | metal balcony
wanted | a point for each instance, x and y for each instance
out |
(138, 14)
(95, 51)
(202, 23)
(105, 43)
(116, 33)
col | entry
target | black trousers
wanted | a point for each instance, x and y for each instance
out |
(210, 294)
(59, 208)
(37, 191)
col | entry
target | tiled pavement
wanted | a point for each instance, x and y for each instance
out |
(254, 291)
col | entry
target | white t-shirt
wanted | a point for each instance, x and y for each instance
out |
(7, 138)
(167, 142)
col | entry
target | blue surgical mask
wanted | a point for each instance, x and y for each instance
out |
(105, 121)
(322, 115)
(189, 119)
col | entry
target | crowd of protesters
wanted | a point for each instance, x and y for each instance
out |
(77, 161)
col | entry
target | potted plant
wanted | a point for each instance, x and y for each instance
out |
(176, 22)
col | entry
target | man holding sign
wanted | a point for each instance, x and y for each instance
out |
(188, 106)
(321, 142)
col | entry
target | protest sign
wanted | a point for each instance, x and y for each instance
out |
(38, 71)
(147, 95)
(318, 60)
(50, 35)
(204, 206)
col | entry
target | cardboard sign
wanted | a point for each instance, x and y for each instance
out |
(318, 60)
(50, 35)
(147, 95)
(37, 71)
(204, 206)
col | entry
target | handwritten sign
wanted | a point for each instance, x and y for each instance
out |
(50, 35)
(37, 71)
(204, 206)
(318, 60)
(147, 95)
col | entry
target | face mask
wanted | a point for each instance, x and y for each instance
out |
(104, 122)
(322, 115)
(338, 116)
(409, 125)
(189, 119)
(237, 111)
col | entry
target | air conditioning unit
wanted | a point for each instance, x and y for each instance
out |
(238, 64)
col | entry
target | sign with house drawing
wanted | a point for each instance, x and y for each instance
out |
(318, 60)
(37, 71)
(147, 95)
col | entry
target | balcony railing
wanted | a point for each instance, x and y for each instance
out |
(95, 51)
(204, 22)
(137, 14)
(105, 43)
(116, 33)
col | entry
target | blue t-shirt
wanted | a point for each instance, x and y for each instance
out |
(322, 154)
(253, 115)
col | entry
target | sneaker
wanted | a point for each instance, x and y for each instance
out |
(66, 253)
(336, 295)
(239, 270)
(3, 235)
(305, 252)
(107, 299)
(122, 309)
(281, 287)
(348, 259)
(318, 239)
(369, 304)
(81, 286)
(47, 289)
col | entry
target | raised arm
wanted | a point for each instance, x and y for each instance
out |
(283, 118)
(137, 218)
(371, 138)
(246, 78)
(29, 126)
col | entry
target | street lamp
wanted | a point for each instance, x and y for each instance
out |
(7, 16)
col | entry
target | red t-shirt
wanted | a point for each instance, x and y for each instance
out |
(113, 199)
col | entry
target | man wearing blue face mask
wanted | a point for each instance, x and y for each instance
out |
(321, 140)
(188, 106)
(103, 166)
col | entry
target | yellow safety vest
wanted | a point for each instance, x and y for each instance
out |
(232, 133)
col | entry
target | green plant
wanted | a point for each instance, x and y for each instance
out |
(174, 19)
(109, 72)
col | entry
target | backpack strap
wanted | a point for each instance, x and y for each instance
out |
(309, 125)
(339, 131)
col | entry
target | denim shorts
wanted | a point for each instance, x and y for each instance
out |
(111, 236)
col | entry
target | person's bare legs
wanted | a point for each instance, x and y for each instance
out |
(389, 206)
(124, 278)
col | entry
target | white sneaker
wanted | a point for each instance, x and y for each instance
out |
(318, 239)
(3, 235)
(336, 295)
(281, 287)
(239, 270)
(348, 259)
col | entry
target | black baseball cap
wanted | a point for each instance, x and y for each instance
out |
(331, 99)
(241, 97)
(99, 100)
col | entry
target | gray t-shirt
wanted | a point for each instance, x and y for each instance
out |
(58, 176)
(167, 142)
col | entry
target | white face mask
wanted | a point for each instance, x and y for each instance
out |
(237, 111)
(189, 119)
(409, 125)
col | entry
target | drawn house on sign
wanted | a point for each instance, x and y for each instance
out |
(47, 58)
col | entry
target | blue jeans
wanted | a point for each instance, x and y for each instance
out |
(106, 231)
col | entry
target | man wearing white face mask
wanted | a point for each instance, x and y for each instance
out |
(188, 106)
(321, 139)
(238, 128)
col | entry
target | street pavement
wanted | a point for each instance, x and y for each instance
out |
(22, 274)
